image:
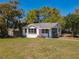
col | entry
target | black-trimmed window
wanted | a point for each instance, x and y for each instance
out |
(32, 31)
(45, 30)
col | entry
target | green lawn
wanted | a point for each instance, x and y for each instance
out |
(22, 48)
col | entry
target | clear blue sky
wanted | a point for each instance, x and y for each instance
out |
(64, 6)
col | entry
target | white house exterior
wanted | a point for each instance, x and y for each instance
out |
(42, 30)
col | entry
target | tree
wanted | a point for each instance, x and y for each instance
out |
(52, 15)
(33, 16)
(3, 29)
(10, 13)
(72, 22)
(44, 14)
(76, 11)
(30, 17)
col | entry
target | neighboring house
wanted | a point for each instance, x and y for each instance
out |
(10, 32)
(43, 30)
(14, 32)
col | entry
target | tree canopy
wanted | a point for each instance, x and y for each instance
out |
(44, 14)
(72, 22)
(9, 15)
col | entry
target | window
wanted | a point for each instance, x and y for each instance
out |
(32, 31)
(45, 31)
(54, 30)
(25, 30)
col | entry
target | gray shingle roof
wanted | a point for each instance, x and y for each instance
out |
(44, 25)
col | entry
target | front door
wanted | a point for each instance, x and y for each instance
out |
(54, 33)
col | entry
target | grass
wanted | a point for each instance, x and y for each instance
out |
(22, 48)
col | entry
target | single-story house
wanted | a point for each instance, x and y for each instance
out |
(42, 30)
